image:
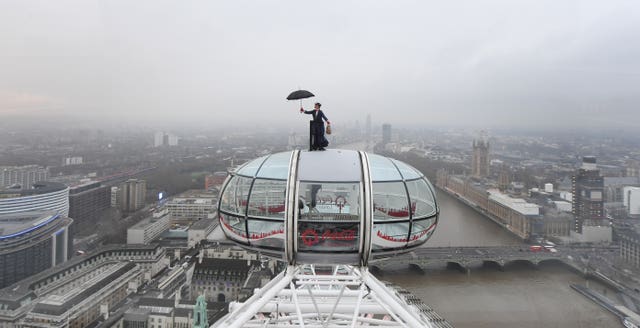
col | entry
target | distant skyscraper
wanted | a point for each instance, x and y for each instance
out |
(292, 143)
(25, 176)
(588, 203)
(132, 194)
(161, 139)
(480, 157)
(386, 133)
(158, 139)
(367, 127)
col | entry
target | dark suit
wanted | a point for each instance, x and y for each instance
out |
(317, 128)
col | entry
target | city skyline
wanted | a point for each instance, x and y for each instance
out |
(490, 63)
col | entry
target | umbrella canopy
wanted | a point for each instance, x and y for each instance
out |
(300, 94)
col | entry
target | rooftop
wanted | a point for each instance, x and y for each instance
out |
(13, 225)
(37, 188)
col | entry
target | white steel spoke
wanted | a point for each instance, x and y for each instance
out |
(346, 297)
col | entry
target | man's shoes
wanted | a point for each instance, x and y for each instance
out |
(321, 148)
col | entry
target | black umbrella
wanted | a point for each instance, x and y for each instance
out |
(300, 94)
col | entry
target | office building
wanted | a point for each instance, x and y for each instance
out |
(590, 223)
(191, 208)
(386, 133)
(631, 200)
(31, 243)
(80, 291)
(630, 246)
(131, 195)
(22, 176)
(150, 228)
(72, 160)
(164, 139)
(90, 300)
(367, 127)
(588, 190)
(114, 197)
(86, 202)
(40, 197)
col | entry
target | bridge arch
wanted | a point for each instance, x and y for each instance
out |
(493, 264)
(550, 261)
(456, 265)
(519, 263)
(416, 267)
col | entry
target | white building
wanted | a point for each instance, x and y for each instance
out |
(191, 208)
(158, 138)
(631, 200)
(114, 197)
(79, 306)
(517, 204)
(24, 176)
(149, 229)
(73, 160)
(161, 138)
(77, 292)
(563, 206)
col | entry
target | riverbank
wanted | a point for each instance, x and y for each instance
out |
(482, 212)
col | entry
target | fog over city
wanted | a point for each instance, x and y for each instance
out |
(488, 63)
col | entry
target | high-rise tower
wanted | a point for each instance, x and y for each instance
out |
(588, 203)
(386, 133)
(132, 194)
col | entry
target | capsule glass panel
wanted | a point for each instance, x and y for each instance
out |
(390, 201)
(382, 169)
(234, 227)
(251, 168)
(421, 230)
(422, 198)
(390, 235)
(329, 217)
(267, 199)
(275, 166)
(267, 234)
(236, 193)
(407, 171)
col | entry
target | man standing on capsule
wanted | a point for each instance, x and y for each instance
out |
(318, 141)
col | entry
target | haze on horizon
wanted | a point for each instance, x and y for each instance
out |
(500, 63)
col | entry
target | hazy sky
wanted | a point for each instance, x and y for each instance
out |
(544, 62)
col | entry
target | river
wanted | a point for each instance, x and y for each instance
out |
(519, 296)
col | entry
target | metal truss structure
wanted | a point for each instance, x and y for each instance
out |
(340, 296)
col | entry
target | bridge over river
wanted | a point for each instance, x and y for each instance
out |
(465, 258)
